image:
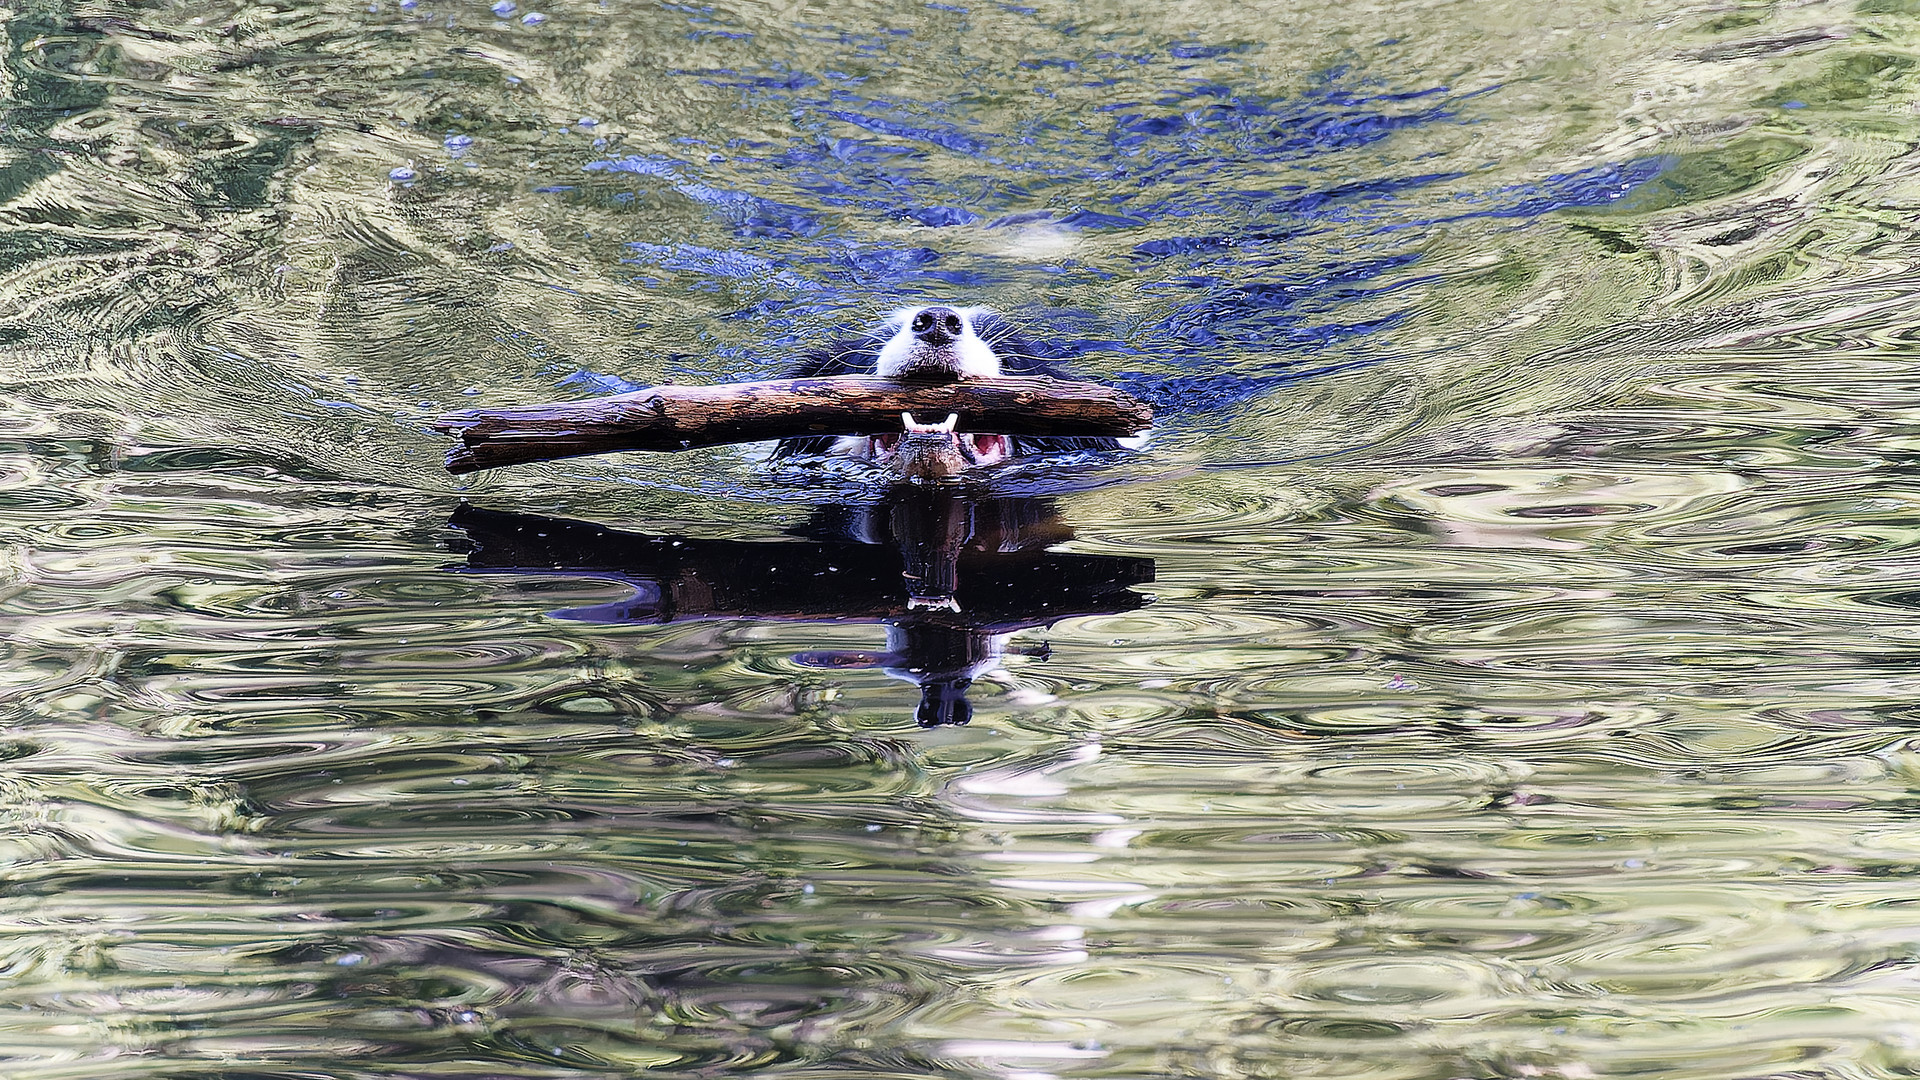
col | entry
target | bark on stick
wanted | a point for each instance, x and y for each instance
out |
(675, 418)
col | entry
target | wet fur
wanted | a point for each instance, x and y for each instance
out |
(860, 356)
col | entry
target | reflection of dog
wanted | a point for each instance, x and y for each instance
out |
(935, 645)
(942, 661)
(941, 344)
(951, 578)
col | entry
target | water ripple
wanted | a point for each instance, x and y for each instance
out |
(1524, 684)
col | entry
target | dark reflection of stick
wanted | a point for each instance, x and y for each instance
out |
(951, 578)
(792, 580)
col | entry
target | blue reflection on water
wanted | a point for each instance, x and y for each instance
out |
(1299, 212)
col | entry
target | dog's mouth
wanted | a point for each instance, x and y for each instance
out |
(933, 452)
(937, 451)
(979, 449)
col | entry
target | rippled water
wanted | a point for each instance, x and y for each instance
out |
(1500, 663)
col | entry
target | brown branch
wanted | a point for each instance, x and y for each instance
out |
(675, 418)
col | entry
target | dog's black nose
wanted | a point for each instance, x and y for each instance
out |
(938, 325)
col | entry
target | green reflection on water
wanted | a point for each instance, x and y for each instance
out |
(1713, 174)
(1530, 694)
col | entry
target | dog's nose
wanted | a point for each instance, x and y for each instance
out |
(937, 325)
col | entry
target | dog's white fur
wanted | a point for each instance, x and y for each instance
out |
(969, 357)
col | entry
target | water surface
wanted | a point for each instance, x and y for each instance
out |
(1499, 663)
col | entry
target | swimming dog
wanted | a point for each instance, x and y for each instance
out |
(939, 344)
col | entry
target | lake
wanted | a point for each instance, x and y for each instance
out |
(1499, 662)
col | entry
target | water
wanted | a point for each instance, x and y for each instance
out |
(1499, 664)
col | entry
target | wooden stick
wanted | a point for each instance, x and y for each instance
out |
(674, 418)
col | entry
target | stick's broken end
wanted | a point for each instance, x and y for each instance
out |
(455, 424)
(460, 460)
